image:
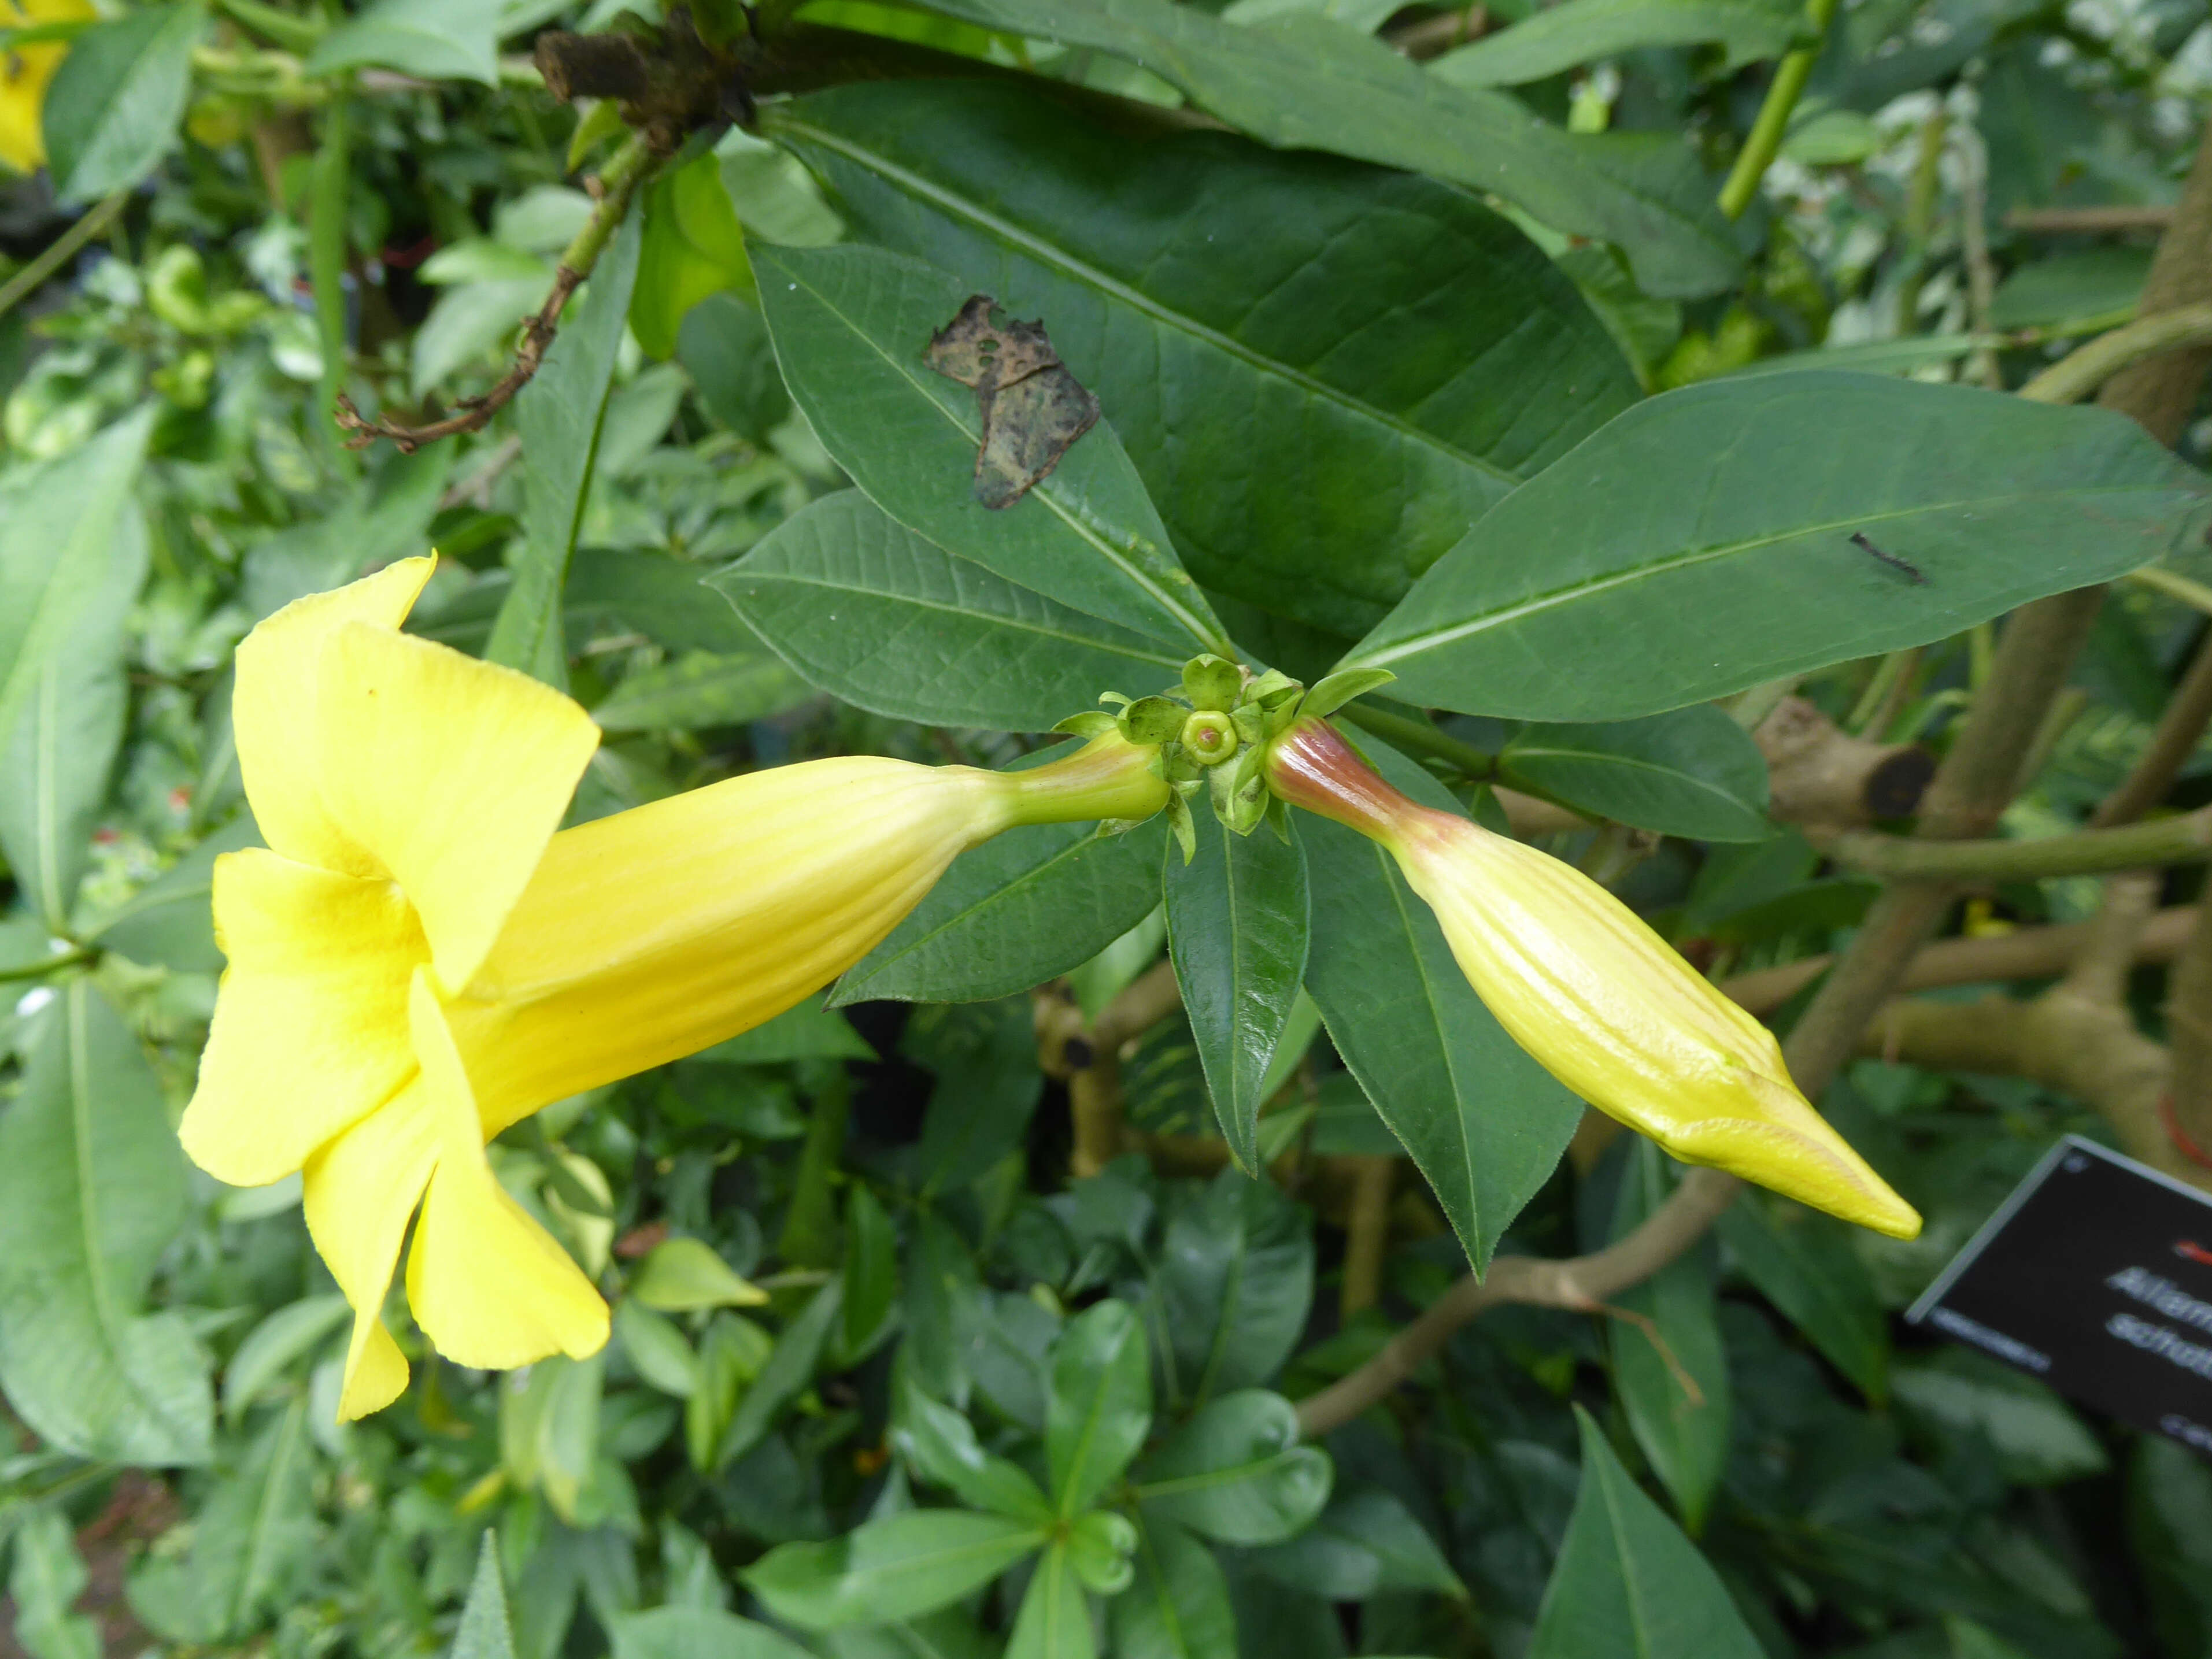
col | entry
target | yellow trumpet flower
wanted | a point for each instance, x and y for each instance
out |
(418, 960)
(1595, 995)
(24, 73)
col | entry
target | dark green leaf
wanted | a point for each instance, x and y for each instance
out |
(1054, 1622)
(58, 758)
(1685, 1436)
(2170, 1531)
(940, 1447)
(57, 528)
(987, 1084)
(1593, 594)
(1483, 1121)
(889, 1569)
(1803, 1263)
(1016, 912)
(1692, 772)
(789, 1368)
(438, 40)
(1370, 430)
(675, 1633)
(113, 111)
(1310, 84)
(1100, 1404)
(873, 613)
(1628, 1585)
(724, 346)
(92, 1189)
(269, 1349)
(1234, 1283)
(558, 417)
(167, 922)
(805, 1030)
(659, 597)
(871, 1272)
(2036, 1435)
(1238, 923)
(1237, 1473)
(1366, 1541)
(692, 248)
(850, 325)
(1583, 31)
(1179, 1607)
(252, 1536)
(700, 690)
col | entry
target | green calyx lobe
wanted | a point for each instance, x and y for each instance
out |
(1212, 732)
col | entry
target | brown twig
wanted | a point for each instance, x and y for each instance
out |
(2087, 221)
(2179, 729)
(1818, 773)
(1432, 37)
(1367, 1234)
(615, 187)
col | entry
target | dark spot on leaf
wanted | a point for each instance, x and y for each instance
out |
(1911, 571)
(1033, 409)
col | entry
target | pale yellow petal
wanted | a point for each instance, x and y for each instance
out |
(310, 1031)
(659, 931)
(487, 1284)
(360, 1190)
(280, 753)
(453, 773)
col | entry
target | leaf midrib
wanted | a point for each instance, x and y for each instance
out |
(1044, 492)
(1411, 644)
(1049, 254)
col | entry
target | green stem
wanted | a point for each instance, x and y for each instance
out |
(26, 282)
(286, 28)
(2089, 852)
(2174, 585)
(2082, 371)
(326, 263)
(618, 180)
(83, 954)
(1766, 141)
(1423, 738)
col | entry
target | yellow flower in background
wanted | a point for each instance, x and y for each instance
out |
(1595, 995)
(24, 72)
(419, 960)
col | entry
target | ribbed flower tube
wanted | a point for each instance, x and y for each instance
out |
(417, 960)
(1599, 999)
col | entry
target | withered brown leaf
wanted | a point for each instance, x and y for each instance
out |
(1033, 409)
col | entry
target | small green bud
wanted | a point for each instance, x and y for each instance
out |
(1209, 738)
(1211, 682)
(1152, 720)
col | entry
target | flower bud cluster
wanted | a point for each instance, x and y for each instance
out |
(1212, 733)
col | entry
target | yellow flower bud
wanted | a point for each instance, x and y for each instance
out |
(418, 960)
(1595, 995)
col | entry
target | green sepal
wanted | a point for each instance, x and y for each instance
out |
(1240, 793)
(1115, 698)
(1332, 692)
(1251, 722)
(600, 122)
(1099, 1548)
(1091, 723)
(1278, 818)
(1211, 682)
(1272, 689)
(1180, 766)
(1153, 720)
(1180, 821)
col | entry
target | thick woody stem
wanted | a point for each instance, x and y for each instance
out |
(1818, 773)
(1367, 1233)
(2088, 851)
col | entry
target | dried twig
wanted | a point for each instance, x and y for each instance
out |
(614, 188)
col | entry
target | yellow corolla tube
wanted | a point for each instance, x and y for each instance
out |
(1595, 995)
(24, 72)
(418, 959)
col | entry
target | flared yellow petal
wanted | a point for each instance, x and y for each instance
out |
(25, 72)
(653, 933)
(310, 1031)
(487, 1284)
(360, 1189)
(280, 754)
(452, 773)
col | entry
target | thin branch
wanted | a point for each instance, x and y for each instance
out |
(2087, 221)
(2181, 728)
(60, 250)
(1367, 1234)
(2174, 585)
(2177, 840)
(1995, 959)
(2086, 368)
(615, 187)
